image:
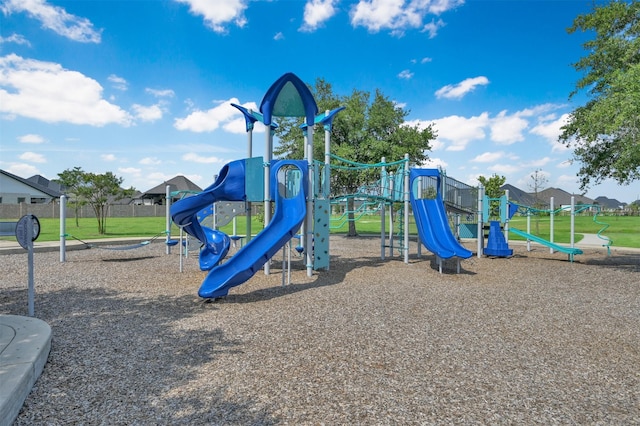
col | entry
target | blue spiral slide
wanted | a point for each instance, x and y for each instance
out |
(432, 222)
(290, 211)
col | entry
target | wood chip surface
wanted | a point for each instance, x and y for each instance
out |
(531, 339)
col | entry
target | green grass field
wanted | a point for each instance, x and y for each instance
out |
(623, 230)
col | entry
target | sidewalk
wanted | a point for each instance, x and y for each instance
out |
(24, 348)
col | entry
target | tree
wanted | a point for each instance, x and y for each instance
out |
(492, 189)
(97, 190)
(605, 131)
(71, 180)
(538, 182)
(364, 132)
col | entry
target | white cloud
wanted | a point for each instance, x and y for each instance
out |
(316, 12)
(278, 36)
(457, 91)
(507, 129)
(488, 157)
(15, 38)
(150, 161)
(108, 157)
(210, 120)
(33, 157)
(218, 13)
(147, 113)
(550, 130)
(31, 138)
(22, 169)
(405, 75)
(55, 18)
(130, 171)
(425, 60)
(118, 82)
(504, 169)
(47, 92)
(161, 93)
(433, 27)
(195, 158)
(434, 163)
(536, 164)
(398, 15)
(459, 131)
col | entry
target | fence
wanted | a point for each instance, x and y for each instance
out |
(52, 210)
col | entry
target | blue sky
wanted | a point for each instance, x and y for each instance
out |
(142, 88)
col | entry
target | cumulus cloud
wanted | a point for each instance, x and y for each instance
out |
(433, 27)
(22, 169)
(118, 83)
(108, 157)
(456, 132)
(316, 12)
(459, 90)
(405, 75)
(55, 18)
(47, 92)
(33, 157)
(398, 16)
(508, 129)
(147, 113)
(550, 127)
(150, 161)
(221, 115)
(196, 158)
(218, 13)
(16, 39)
(488, 157)
(31, 138)
(161, 93)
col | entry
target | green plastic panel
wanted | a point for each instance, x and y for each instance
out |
(254, 179)
(321, 234)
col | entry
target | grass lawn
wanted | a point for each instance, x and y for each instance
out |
(623, 230)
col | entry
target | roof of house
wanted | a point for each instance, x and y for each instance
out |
(610, 203)
(35, 185)
(518, 196)
(178, 183)
(41, 180)
(562, 197)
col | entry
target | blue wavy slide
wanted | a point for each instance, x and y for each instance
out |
(432, 222)
(229, 186)
(288, 216)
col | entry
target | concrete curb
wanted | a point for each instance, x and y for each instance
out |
(25, 344)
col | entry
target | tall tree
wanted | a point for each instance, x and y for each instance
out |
(71, 180)
(492, 189)
(97, 190)
(364, 132)
(606, 130)
(538, 182)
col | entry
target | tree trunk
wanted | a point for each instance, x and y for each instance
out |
(351, 217)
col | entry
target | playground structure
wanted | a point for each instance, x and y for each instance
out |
(302, 199)
(499, 229)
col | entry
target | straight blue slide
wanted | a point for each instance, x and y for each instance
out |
(289, 214)
(432, 222)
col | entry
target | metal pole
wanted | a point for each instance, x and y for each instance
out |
(552, 206)
(383, 213)
(407, 202)
(63, 228)
(168, 218)
(480, 225)
(573, 220)
(267, 186)
(32, 291)
(248, 203)
(309, 215)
